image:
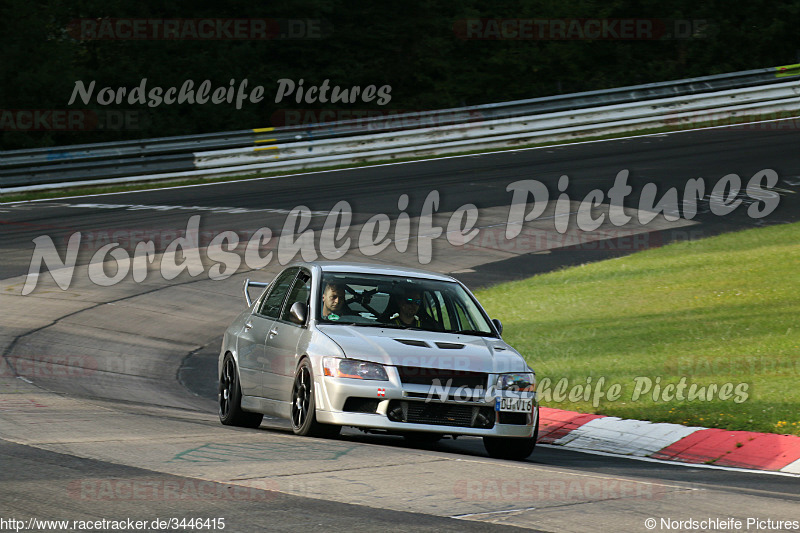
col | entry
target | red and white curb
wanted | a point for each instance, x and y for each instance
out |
(672, 442)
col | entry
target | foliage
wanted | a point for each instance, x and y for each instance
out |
(413, 47)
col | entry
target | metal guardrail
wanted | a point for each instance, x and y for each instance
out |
(525, 127)
(196, 154)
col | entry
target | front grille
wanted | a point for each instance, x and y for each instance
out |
(441, 414)
(427, 376)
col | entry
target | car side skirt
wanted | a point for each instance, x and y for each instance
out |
(267, 406)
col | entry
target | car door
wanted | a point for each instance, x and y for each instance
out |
(252, 362)
(282, 340)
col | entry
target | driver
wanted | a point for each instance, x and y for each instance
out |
(407, 303)
(333, 305)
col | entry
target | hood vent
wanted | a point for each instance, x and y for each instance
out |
(413, 342)
(449, 345)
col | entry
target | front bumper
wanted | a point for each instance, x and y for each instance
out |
(369, 404)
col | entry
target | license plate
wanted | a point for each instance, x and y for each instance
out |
(514, 405)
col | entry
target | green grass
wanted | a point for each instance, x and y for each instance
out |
(720, 310)
(11, 197)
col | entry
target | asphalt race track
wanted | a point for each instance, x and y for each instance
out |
(107, 393)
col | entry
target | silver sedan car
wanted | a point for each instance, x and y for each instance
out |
(383, 349)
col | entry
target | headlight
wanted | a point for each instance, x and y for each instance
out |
(350, 368)
(523, 382)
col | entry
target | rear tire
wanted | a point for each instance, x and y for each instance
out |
(514, 449)
(229, 398)
(304, 406)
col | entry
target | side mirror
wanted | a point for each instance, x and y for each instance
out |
(298, 312)
(498, 325)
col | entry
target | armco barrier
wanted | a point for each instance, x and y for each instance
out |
(640, 114)
(427, 133)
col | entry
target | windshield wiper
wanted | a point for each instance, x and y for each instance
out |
(472, 332)
(362, 324)
(379, 325)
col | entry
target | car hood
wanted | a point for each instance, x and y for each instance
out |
(428, 349)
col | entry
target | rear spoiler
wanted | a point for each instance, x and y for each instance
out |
(246, 287)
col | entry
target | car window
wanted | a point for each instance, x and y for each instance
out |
(461, 317)
(376, 300)
(271, 306)
(301, 290)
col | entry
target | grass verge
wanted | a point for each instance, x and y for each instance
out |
(721, 314)
(12, 197)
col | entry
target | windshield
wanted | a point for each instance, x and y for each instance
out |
(399, 302)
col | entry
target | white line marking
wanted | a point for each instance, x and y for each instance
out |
(227, 210)
(561, 471)
(494, 512)
(676, 463)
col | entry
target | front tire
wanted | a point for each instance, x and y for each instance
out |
(304, 406)
(229, 398)
(514, 449)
